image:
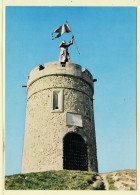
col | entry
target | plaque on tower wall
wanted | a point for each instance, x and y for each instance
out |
(74, 119)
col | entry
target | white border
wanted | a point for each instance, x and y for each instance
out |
(3, 3)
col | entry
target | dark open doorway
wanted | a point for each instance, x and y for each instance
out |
(75, 152)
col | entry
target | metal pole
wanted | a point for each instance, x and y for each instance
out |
(74, 38)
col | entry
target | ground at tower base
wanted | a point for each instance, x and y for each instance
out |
(72, 180)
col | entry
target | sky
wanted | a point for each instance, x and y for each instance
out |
(106, 38)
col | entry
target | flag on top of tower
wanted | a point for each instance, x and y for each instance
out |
(61, 30)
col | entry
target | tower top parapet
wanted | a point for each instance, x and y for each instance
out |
(56, 68)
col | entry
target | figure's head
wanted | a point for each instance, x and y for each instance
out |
(64, 42)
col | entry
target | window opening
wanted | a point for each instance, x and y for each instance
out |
(57, 101)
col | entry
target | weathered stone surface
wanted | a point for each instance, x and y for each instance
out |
(45, 128)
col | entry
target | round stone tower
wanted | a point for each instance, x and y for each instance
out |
(59, 128)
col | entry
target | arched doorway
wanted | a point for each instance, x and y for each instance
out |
(75, 152)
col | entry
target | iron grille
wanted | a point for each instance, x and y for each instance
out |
(75, 153)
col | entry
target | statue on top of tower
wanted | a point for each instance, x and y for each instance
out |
(64, 55)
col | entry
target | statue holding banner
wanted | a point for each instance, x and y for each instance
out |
(64, 54)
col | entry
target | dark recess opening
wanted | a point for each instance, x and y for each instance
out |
(75, 152)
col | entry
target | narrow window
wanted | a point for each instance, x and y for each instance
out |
(57, 100)
(87, 106)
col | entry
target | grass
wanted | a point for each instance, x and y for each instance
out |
(131, 188)
(100, 185)
(118, 174)
(69, 180)
(53, 180)
(133, 180)
(122, 179)
(111, 182)
(132, 174)
(125, 184)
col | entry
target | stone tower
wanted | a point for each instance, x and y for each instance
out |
(59, 128)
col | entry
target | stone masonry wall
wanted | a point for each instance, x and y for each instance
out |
(45, 129)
